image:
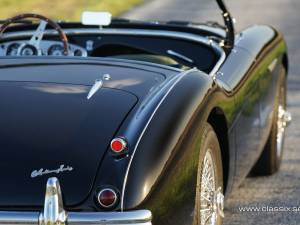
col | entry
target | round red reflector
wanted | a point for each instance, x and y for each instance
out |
(118, 145)
(107, 198)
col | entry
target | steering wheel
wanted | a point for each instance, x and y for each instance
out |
(32, 47)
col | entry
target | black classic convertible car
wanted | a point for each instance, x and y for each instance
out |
(115, 121)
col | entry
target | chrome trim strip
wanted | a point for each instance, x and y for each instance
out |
(180, 56)
(119, 31)
(213, 73)
(178, 79)
(135, 32)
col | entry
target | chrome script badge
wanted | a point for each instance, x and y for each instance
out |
(41, 172)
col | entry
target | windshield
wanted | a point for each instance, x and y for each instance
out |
(196, 11)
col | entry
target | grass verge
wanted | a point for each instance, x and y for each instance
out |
(69, 10)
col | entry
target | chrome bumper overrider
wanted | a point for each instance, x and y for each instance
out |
(54, 213)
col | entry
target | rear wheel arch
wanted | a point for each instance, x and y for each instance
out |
(218, 121)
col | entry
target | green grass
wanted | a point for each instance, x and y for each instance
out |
(64, 9)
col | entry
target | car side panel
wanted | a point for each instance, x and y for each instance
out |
(269, 64)
(247, 101)
(163, 173)
(251, 74)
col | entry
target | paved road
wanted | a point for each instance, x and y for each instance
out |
(282, 189)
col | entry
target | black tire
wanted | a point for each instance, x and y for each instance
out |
(270, 160)
(209, 143)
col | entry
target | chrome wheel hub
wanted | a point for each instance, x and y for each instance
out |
(211, 196)
(219, 202)
(283, 120)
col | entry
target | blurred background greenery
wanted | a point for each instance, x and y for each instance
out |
(64, 9)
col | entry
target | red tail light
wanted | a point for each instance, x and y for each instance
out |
(107, 198)
(118, 145)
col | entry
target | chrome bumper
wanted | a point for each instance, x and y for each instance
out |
(54, 214)
(140, 217)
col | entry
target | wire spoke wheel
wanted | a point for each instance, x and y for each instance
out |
(271, 156)
(206, 190)
(211, 197)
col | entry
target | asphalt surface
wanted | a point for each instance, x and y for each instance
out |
(283, 188)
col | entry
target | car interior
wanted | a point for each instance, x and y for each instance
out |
(163, 50)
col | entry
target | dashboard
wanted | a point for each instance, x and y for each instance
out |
(46, 48)
(149, 48)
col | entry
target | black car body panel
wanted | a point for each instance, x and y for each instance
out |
(47, 121)
(54, 123)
